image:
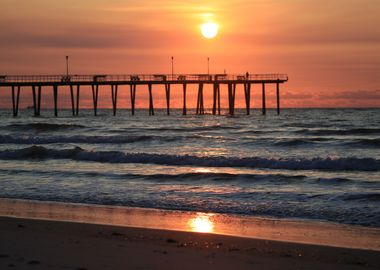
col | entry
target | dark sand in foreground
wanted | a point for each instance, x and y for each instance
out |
(41, 244)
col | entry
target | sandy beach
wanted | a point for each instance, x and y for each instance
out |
(49, 235)
(175, 135)
(41, 244)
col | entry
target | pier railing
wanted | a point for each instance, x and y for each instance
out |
(75, 82)
(140, 77)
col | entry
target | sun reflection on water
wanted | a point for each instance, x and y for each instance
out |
(202, 223)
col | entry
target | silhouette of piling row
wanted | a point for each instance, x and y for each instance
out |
(16, 82)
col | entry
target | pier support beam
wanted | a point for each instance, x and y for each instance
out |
(36, 100)
(278, 97)
(231, 98)
(74, 100)
(114, 98)
(133, 98)
(95, 95)
(200, 104)
(184, 112)
(247, 94)
(15, 100)
(218, 90)
(216, 99)
(264, 109)
(167, 91)
(151, 107)
(55, 94)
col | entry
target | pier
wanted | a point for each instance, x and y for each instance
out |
(231, 82)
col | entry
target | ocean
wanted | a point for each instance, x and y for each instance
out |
(310, 164)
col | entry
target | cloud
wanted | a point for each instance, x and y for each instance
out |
(357, 95)
(91, 36)
(303, 95)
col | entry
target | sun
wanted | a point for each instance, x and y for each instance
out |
(209, 30)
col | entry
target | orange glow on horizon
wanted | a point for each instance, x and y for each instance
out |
(330, 53)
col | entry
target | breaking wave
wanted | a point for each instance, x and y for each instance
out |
(348, 132)
(79, 154)
(42, 127)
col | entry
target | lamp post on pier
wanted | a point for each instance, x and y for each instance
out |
(208, 65)
(172, 67)
(67, 65)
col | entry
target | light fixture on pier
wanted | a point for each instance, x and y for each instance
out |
(208, 65)
(172, 67)
(67, 65)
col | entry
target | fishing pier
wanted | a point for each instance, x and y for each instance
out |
(35, 83)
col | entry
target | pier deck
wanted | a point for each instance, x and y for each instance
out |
(36, 82)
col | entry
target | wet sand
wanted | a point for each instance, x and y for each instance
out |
(41, 244)
(47, 235)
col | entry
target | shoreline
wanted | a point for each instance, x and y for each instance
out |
(46, 244)
(290, 231)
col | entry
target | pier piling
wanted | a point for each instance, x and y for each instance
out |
(15, 100)
(151, 107)
(247, 95)
(167, 92)
(114, 98)
(36, 100)
(278, 97)
(95, 95)
(55, 93)
(231, 98)
(231, 81)
(133, 98)
(264, 109)
(74, 100)
(200, 105)
(216, 99)
(184, 112)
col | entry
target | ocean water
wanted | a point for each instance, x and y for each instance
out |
(314, 164)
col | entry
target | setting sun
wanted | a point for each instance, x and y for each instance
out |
(209, 30)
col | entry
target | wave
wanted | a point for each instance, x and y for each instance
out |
(335, 181)
(318, 140)
(179, 177)
(79, 154)
(306, 125)
(371, 196)
(299, 141)
(364, 143)
(190, 128)
(42, 127)
(247, 178)
(119, 139)
(348, 132)
(126, 139)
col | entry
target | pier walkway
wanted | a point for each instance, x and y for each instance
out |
(36, 82)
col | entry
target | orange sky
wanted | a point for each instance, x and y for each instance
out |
(330, 49)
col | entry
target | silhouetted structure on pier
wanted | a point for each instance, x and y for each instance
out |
(16, 82)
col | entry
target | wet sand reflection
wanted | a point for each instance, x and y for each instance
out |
(202, 223)
(321, 233)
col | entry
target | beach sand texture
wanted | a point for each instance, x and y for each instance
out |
(37, 244)
(133, 238)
